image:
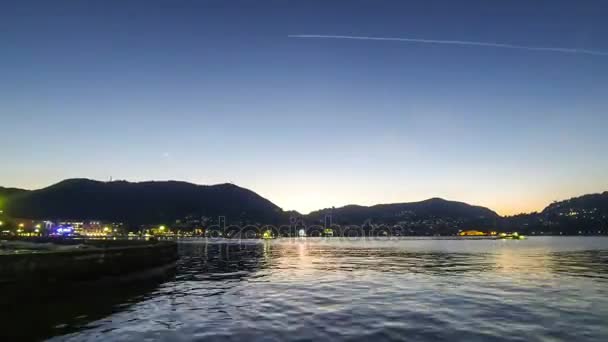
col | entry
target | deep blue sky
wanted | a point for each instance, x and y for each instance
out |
(216, 91)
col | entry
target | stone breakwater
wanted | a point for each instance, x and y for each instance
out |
(97, 260)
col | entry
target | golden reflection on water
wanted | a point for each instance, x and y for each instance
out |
(296, 258)
(515, 259)
(515, 262)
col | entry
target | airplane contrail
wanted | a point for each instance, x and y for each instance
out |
(458, 42)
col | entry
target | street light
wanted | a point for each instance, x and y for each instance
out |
(161, 228)
(1, 223)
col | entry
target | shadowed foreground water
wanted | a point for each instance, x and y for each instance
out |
(540, 289)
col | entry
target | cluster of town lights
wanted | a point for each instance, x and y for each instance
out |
(39, 229)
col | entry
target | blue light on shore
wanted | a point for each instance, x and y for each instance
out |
(64, 230)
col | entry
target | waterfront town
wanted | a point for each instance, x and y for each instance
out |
(207, 227)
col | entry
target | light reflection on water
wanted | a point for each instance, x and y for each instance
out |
(314, 289)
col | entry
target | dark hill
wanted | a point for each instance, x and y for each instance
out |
(587, 203)
(6, 192)
(145, 202)
(587, 214)
(158, 202)
(433, 208)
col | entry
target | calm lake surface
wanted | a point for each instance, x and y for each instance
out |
(540, 289)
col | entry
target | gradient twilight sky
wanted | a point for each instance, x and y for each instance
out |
(215, 91)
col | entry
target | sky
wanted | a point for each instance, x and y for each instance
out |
(500, 104)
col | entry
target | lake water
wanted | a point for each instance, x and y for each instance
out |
(540, 289)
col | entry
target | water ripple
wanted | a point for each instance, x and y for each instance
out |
(542, 289)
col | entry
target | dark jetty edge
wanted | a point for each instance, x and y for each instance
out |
(93, 260)
(61, 290)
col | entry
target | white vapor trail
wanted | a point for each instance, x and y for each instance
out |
(458, 42)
